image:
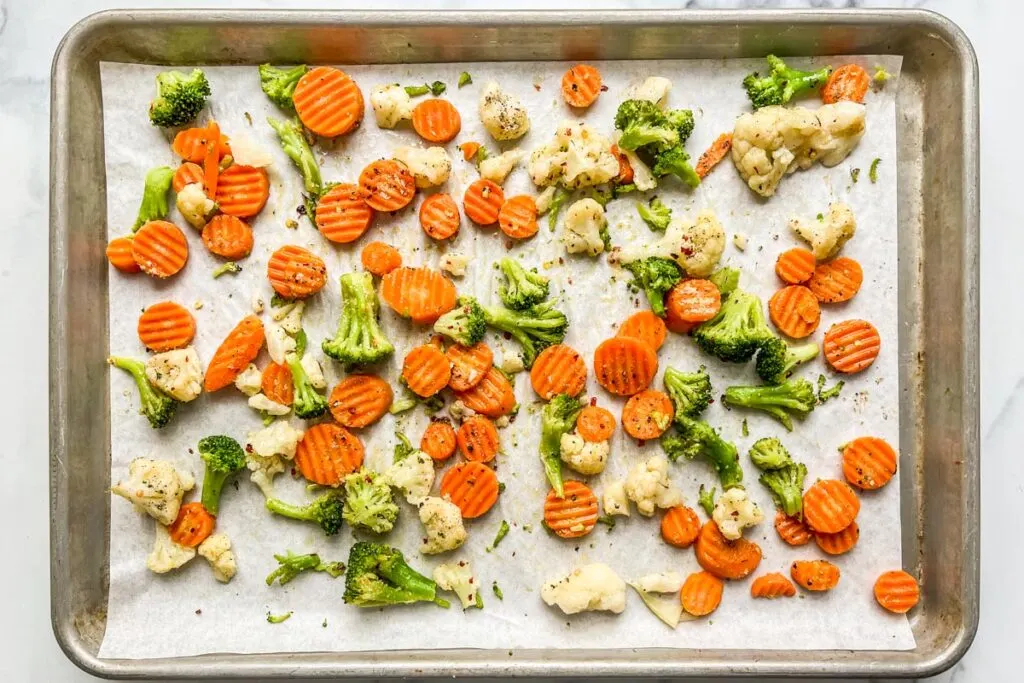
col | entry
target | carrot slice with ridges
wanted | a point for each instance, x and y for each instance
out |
(645, 326)
(328, 101)
(493, 396)
(327, 452)
(572, 515)
(342, 215)
(360, 400)
(840, 542)
(624, 365)
(211, 160)
(830, 505)
(472, 487)
(773, 585)
(193, 525)
(794, 310)
(869, 462)
(425, 370)
(558, 369)
(387, 185)
(380, 258)
(242, 190)
(680, 526)
(791, 530)
(897, 591)
(815, 575)
(238, 349)
(724, 558)
(701, 594)
(187, 174)
(647, 414)
(439, 440)
(851, 346)
(694, 300)
(160, 249)
(836, 281)
(421, 294)
(190, 145)
(436, 120)
(228, 237)
(478, 439)
(296, 273)
(795, 266)
(595, 424)
(581, 85)
(276, 384)
(713, 154)
(439, 216)
(165, 326)
(469, 365)
(119, 253)
(482, 201)
(517, 217)
(848, 82)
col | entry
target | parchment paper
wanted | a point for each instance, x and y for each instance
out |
(188, 612)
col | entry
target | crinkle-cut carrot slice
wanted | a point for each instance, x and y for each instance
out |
(492, 396)
(436, 120)
(815, 575)
(794, 310)
(680, 526)
(572, 515)
(380, 259)
(119, 253)
(724, 558)
(426, 370)
(837, 281)
(328, 101)
(387, 185)
(469, 365)
(165, 326)
(840, 542)
(421, 294)
(701, 594)
(694, 300)
(472, 487)
(897, 591)
(647, 414)
(624, 365)
(773, 585)
(193, 525)
(160, 249)
(478, 439)
(558, 369)
(439, 216)
(276, 383)
(190, 145)
(830, 505)
(360, 400)
(234, 354)
(242, 190)
(795, 266)
(327, 452)
(517, 217)
(852, 346)
(228, 237)
(581, 85)
(848, 82)
(187, 174)
(342, 215)
(595, 424)
(645, 326)
(791, 530)
(439, 440)
(869, 462)
(482, 201)
(296, 273)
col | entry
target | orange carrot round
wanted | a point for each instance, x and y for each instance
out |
(558, 369)
(492, 396)
(680, 526)
(187, 174)
(119, 253)
(791, 530)
(624, 365)
(469, 365)
(673, 322)
(342, 215)
(234, 354)
(436, 120)
(472, 487)
(439, 216)
(328, 101)
(296, 273)
(897, 591)
(645, 326)
(276, 384)
(193, 525)
(190, 145)
(647, 414)
(387, 185)
(694, 300)
(517, 217)
(713, 154)
(165, 326)
(595, 424)
(482, 201)
(242, 190)
(439, 440)
(625, 175)
(724, 558)
(836, 281)
(478, 439)
(794, 310)
(572, 515)
(815, 575)
(869, 462)
(851, 345)
(795, 266)
(581, 85)
(360, 400)
(701, 593)
(211, 160)
(425, 370)
(380, 258)
(469, 150)
(840, 542)
(848, 82)
(773, 585)
(830, 505)
(327, 452)
(228, 237)
(160, 249)
(421, 294)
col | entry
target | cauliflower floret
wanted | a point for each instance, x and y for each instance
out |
(843, 124)
(502, 114)
(654, 89)
(279, 438)
(584, 221)
(454, 264)
(429, 167)
(263, 404)
(442, 526)
(497, 168)
(578, 156)
(217, 551)
(177, 373)
(264, 470)
(391, 104)
(458, 577)
(413, 475)
(614, 501)
(246, 152)
(279, 343)
(155, 487)
(511, 362)
(288, 314)
(828, 235)
(591, 588)
(695, 245)
(643, 178)
(167, 555)
(314, 372)
(648, 486)
(585, 457)
(544, 199)
(257, 303)
(665, 582)
(734, 512)
(194, 205)
(459, 411)
(250, 380)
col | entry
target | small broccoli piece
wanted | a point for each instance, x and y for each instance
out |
(794, 396)
(787, 486)
(409, 400)
(465, 79)
(737, 331)
(502, 533)
(464, 324)
(643, 123)
(369, 504)
(223, 457)
(561, 196)
(782, 83)
(437, 88)
(378, 576)
(706, 499)
(655, 214)
(682, 121)
(690, 391)
(522, 288)
(417, 90)
(497, 590)
(769, 454)
(854, 175)
(881, 76)
(325, 511)
(278, 618)
(776, 360)
(154, 196)
(675, 161)
(655, 276)
(832, 392)
(291, 565)
(307, 403)
(359, 340)
(404, 447)
(557, 418)
(726, 279)
(157, 406)
(873, 171)
(619, 190)
(227, 268)
(179, 98)
(293, 142)
(696, 438)
(536, 328)
(279, 84)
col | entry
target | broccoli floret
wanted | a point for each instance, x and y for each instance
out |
(682, 121)
(291, 565)
(409, 400)
(726, 279)
(325, 511)
(675, 161)
(154, 196)
(787, 486)
(369, 504)
(404, 447)
(832, 392)
(279, 84)
(655, 276)
(706, 499)
(307, 402)
(536, 328)
(157, 406)
(222, 456)
(227, 268)
(690, 391)
(794, 396)
(782, 83)
(293, 142)
(769, 454)
(557, 418)
(737, 330)
(378, 576)
(522, 288)
(561, 196)
(696, 438)
(359, 339)
(465, 79)
(465, 324)
(776, 360)
(179, 98)
(642, 123)
(655, 214)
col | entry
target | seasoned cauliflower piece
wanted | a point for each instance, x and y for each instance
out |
(264, 470)
(665, 582)
(455, 264)
(442, 526)
(279, 342)
(584, 221)
(391, 105)
(458, 577)
(459, 411)
(544, 199)
(591, 588)
(246, 152)
(734, 512)
(257, 303)
(413, 475)
(695, 245)
(648, 486)
(585, 457)
(497, 168)
(614, 501)
(843, 124)
(314, 372)
(502, 114)
(288, 314)
(167, 555)
(194, 205)
(827, 236)
(577, 157)
(216, 549)
(511, 363)
(250, 380)
(429, 167)
(177, 373)
(155, 487)
(279, 438)
(263, 404)
(653, 89)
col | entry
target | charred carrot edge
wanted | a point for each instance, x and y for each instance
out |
(792, 530)
(276, 384)
(837, 281)
(242, 191)
(193, 525)
(296, 273)
(647, 414)
(558, 369)
(165, 326)
(581, 85)
(724, 558)
(815, 575)
(595, 424)
(360, 400)
(425, 370)
(436, 120)
(469, 365)
(421, 294)
(482, 201)
(848, 82)
(493, 396)
(238, 349)
(625, 176)
(190, 145)
(387, 185)
(869, 462)
(701, 594)
(327, 452)
(645, 326)
(439, 440)
(624, 366)
(573, 515)
(794, 311)
(328, 101)
(228, 237)
(795, 266)
(439, 216)
(472, 487)
(469, 150)
(188, 173)
(380, 258)
(830, 506)
(342, 215)
(840, 542)
(773, 585)
(160, 249)
(713, 154)
(897, 591)
(478, 439)
(851, 346)
(680, 526)
(517, 217)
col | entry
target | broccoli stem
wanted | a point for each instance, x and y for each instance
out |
(294, 144)
(213, 484)
(303, 513)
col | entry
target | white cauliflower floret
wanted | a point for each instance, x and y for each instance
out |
(827, 236)
(584, 221)
(544, 199)
(413, 475)
(257, 303)
(454, 264)
(176, 373)
(279, 438)
(263, 404)
(734, 512)
(194, 205)
(695, 245)
(656, 591)
(288, 314)
(391, 104)
(591, 588)
(511, 362)
(643, 177)
(459, 411)
(458, 577)
(429, 167)
(442, 526)
(246, 152)
(654, 89)
(155, 487)
(314, 372)
(844, 125)
(585, 457)
(279, 342)
(167, 555)
(264, 470)
(217, 551)
(578, 156)
(497, 168)
(614, 501)
(502, 114)
(648, 486)
(250, 380)
(665, 582)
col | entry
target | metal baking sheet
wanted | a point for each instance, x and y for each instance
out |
(938, 257)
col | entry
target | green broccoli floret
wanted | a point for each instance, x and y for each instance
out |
(465, 79)
(561, 196)
(222, 457)
(179, 98)
(655, 214)
(557, 418)
(307, 402)
(696, 438)
(832, 392)
(226, 268)
(291, 565)
(154, 196)
(794, 396)
(706, 499)
(369, 504)
(726, 279)
(536, 328)
(378, 576)
(293, 142)
(157, 406)
(782, 83)
(522, 288)
(325, 511)
(675, 161)
(737, 331)
(404, 447)
(465, 324)
(409, 400)
(787, 487)
(655, 276)
(359, 339)
(643, 123)
(682, 121)
(769, 454)
(279, 84)
(776, 360)
(690, 391)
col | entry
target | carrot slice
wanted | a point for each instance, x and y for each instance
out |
(119, 253)
(387, 185)
(558, 369)
(360, 400)
(238, 349)
(572, 515)
(795, 266)
(794, 310)
(469, 365)
(439, 440)
(850, 346)
(193, 525)
(422, 294)
(724, 558)
(160, 249)
(595, 424)
(328, 101)
(791, 530)
(436, 120)
(674, 323)
(296, 273)
(380, 258)
(342, 215)
(425, 370)
(165, 326)
(472, 487)
(327, 452)
(242, 190)
(701, 594)
(713, 154)
(815, 575)
(839, 542)
(694, 300)
(493, 396)
(228, 237)
(868, 462)
(848, 82)
(897, 591)
(187, 174)
(773, 585)
(647, 414)
(581, 85)
(211, 160)
(478, 439)
(624, 365)
(625, 175)
(439, 216)
(190, 145)
(469, 150)
(836, 281)
(276, 384)
(680, 526)
(646, 327)
(517, 217)
(830, 505)
(482, 201)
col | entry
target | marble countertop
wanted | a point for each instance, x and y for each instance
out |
(29, 33)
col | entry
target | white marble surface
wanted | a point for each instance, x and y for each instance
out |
(29, 33)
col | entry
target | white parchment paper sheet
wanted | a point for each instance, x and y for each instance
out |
(188, 612)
